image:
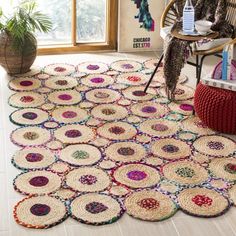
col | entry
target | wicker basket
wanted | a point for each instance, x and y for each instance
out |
(13, 61)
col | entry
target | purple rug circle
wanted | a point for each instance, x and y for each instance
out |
(186, 107)
(69, 114)
(65, 97)
(93, 67)
(97, 80)
(149, 109)
(88, 179)
(30, 115)
(34, 157)
(136, 175)
(39, 181)
(40, 209)
(126, 151)
(95, 207)
(73, 133)
(26, 83)
(139, 93)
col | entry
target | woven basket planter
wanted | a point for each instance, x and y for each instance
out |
(14, 61)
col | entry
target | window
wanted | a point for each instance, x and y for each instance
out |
(78, 25)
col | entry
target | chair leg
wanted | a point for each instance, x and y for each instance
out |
(197, 65)
(154, 72)
(200, 69)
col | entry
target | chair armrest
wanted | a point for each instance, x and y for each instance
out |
(166, 11)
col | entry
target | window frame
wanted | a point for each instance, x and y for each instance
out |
(74, 47)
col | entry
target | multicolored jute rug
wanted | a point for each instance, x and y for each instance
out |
(94, 146)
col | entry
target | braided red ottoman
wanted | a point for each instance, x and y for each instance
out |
(216, 108)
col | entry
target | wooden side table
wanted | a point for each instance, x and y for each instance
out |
(175, 32)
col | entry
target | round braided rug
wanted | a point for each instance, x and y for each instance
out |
(92, 67)
(40, 212)
(96, 209)
(29, 116)
(195, 125)
(172, 116)
(48, 106)
(171, 149)
(149, 110)
(42, 76)
(88, 179)
(107, 164)
(37, 182)
(26, 100)
(182, 92)
(150, 205)
(152, 63)
(223, 168)
(125, 152)
(67, 97)
(70, 114)
(214, 145)
(102, 96)
(186, 136)
(138, 94)
(202, 202)
(132, 78)
(185, 172)
(136, 175)
(117, 131)
(119, 191)
(72, 134)
(30, 136)
(65, 194)
(126, 66)
(24, 84)
(185, 108)
(109, 112)
(159, 128)
(61, 82)
(81, 155)
(33, 158)
(97, 80)
(59, 69)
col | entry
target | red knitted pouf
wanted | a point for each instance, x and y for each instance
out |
(216, 108)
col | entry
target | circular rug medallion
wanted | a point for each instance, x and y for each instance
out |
(42, 76)
(44, 90)
(124, 102)
(54, 145)
(82, 88)
(172, 116)
(92, 67)
(30, 136)
(117, 131)
(159, 128)
(182, 92)
(171, 149)
(214, 145)
(40, 212)
(195, 125)
(143, 138)
(154, 161)
(24, 84)
(126, 66)
(200, 158)
(97, 80)
(86, 105)
(132, 79)
(100, 142)
(119, 191)
(51, 125)
(29, 116)
(88, 179)
(112, 72)
(133, 119)
(107, 164)
(65, 194)
(185, 172)
(48, 106)
(72, 134)
(138, 94)
(96, 209)
(185, 108)
(81, 155)
(232, 194)
(70, 114)
(224, 168)
(219, 184)
(168, 187)
(202, 202)
(109, 112)
(37, 182)
(68, 97)
(33, 158)
(186, 136)
(59, 167)
(125, 152)
(152, 63)
(136, 175)
(119, 86)
(102, 96)
(61, 82)
(59, 69)
(150, 205)
(149, 110)
(92, 122)
(26, 100)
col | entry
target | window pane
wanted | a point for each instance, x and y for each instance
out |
(91, 20)
(60, 14)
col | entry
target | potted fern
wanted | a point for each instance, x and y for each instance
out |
(18, 45)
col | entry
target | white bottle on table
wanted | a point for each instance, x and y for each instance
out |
(188, 17)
